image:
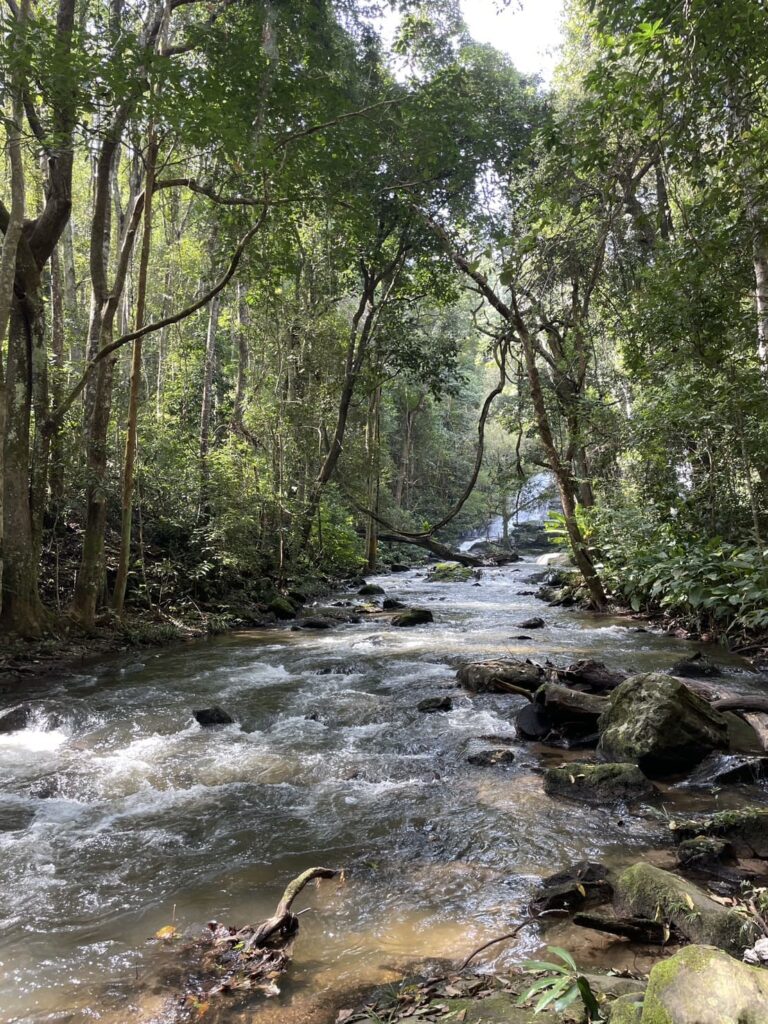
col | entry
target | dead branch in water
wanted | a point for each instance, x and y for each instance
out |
(253, 957)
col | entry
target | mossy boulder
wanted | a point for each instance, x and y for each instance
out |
(282, 608)
(371, 590)
(450, 572)
(650, 892)
(702, 985)
(598, 783)
(413, 617)
(745, 830)
(660, 724)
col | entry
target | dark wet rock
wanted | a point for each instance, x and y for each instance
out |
(590, 675)
(339, 615)
(451, 572)
(371, 590)
(598, 783)
(660, 724)
(399, 567)
(495, 551)
(491, 757)
(650, 892)
(533, 723)
(728, 770)
(498, 739)
(208, 717)
(746, 829)
(698, 666)
(578, 887)
(705, 854)
(391, 604)
(521, 636)
(316, 622)
(432, 704)
(533, 623)
(502, 675)
(413, 617)
(298, 597)
(282, 608)
(700, 985)
(16, 719)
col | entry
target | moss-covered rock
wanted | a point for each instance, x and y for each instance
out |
(413, 617)
(704, 854)
(598, 783)
(746, 830)
(371, 590)
(626, 1009)
(647, 891)
(282, 608)
(660, 724)
(450, 572)
(701, 985)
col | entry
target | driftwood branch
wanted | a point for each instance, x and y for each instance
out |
(282, 917)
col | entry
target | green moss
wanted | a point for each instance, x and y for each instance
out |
(626, 1010)
(450, 572)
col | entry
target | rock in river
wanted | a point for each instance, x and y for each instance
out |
(208, 717)
(450, 572)
(659, 723)
(745, 829)
(645, 891)
(432, 704)
(16, 719)
(391, 604)
(598, 783)
(371, 590)
(413, 617)
(502, 675)
(534, 623)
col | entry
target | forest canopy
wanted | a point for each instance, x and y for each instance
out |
(264, 271)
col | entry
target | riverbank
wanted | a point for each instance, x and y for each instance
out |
(125, 815)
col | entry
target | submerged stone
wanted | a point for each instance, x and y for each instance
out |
(433, 704)
(371, 590)
(598, 783)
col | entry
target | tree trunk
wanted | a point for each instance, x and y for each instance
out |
(372, 527)
(131, 440)
(206, 405)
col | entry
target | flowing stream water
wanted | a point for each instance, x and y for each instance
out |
(119, 814)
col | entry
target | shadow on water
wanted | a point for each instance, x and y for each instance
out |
(119, 814)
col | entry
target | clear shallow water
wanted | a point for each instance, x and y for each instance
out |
(119, 814)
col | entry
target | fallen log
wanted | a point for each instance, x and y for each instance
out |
(441, 550)
(636, 929)
(741, 704)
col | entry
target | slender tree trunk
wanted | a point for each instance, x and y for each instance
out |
(131, 440)
(206, 406)
(374, 470)
(57, 351)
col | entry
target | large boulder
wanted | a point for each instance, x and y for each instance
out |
(450, 572)
(282, 608)
(562, 717)
(645, 891)
(745, 830)
(502, 675)
(701, 985)
(659, 723)
(598, 783)
(371, 590)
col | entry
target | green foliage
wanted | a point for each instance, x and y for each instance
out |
(561, 984)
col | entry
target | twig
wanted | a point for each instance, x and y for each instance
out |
(503, 938)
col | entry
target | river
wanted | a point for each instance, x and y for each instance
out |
(119, 814)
